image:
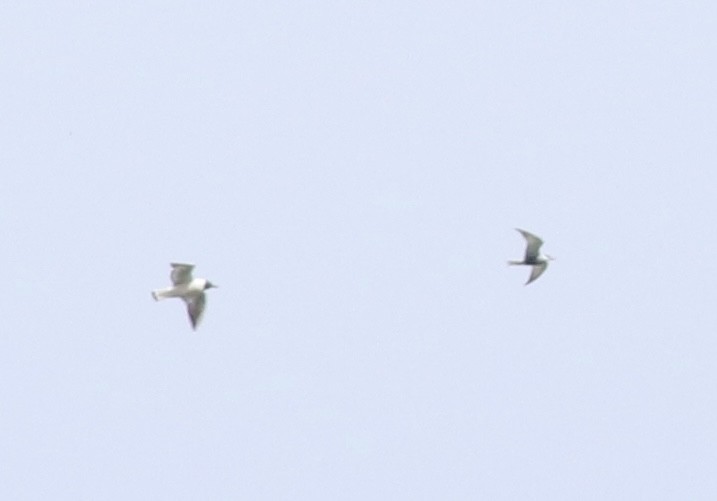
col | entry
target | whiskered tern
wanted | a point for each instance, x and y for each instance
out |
(533, 256)
(189, 289)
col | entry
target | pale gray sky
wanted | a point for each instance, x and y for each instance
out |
(350, 174)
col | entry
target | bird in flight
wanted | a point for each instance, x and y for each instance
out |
(533, 256)
(190, 289)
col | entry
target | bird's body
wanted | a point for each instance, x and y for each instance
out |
(533, 256)
(189, 289)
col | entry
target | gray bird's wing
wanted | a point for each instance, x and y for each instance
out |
(181, 273)
(532, 251)
(537, 270)
(195, 308)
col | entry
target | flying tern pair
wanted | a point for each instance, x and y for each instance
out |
(191, 290)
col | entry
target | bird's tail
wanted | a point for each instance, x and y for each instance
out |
(159, 294)
(514, 262)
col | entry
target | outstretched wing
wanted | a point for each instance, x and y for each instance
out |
(195, 308)
(181, 273)
(537, 270)
(532, 251)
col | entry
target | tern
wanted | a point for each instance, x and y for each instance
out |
(190, 289)
(533, 256)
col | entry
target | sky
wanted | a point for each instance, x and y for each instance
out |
(350, 175)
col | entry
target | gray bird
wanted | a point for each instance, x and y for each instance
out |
(191, 290)
(533, 256)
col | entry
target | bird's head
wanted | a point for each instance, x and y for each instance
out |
(209, 285)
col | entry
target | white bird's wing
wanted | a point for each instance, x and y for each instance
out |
(537, 270)
(195, 308)
(181, 273)
(532, 251)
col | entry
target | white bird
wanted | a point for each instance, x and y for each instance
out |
(191, 290)
(533, 256)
